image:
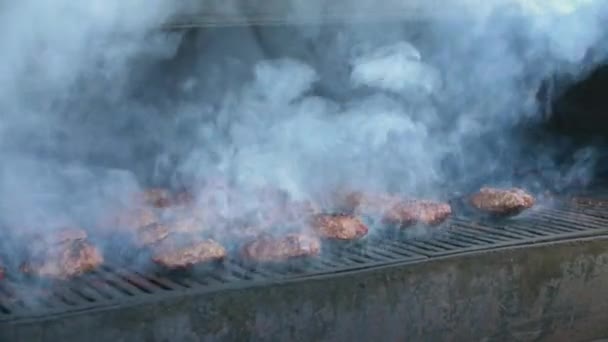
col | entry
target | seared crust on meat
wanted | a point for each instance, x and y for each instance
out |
(502, 201)
(62, 261)
(268, 248)
(407, 213)
(339, 226)
(185, 250)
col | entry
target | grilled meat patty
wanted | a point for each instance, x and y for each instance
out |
(395, 210)
(184, 250)
(407, 213)
(502, 201)
(158, 231)
(339, 226)
(64, 260)
(267, 248)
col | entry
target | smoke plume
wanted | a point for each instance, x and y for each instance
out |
(98, 103)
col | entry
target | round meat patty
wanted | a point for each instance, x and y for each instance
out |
(502, 201)
(64, 261)
(410, 212)
(184, 250)
(339, 226)
(157, 232)
(268, 248)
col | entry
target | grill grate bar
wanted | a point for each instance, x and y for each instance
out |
(381, 254)
(570, 217)
(119, 281)
(480, 240)
(522, 234)
(577, 224)
(488, 230)
(454, 236)
(112, 284)
(87, 290)
(406, 248)
(134, 279)
(552, 229)
(435, 245)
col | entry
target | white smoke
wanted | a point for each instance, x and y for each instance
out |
(389, 106)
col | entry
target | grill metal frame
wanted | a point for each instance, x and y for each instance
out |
(118, 286)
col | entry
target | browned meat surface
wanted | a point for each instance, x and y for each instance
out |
(339, 226)
(157, 232)
(407, 213)
(65, 260)
(502, 201)
(185, 250)
(268, 248)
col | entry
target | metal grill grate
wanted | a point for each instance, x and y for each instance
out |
(112, 285)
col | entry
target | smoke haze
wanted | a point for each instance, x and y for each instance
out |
(97, 103)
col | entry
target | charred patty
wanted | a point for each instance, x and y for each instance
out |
(502, 201)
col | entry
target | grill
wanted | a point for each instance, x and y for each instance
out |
(115, 286)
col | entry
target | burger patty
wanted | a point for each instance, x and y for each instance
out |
(502, 201)
(408, 213)
(64, 260)
(339, 226)
(184, 250)
(269, 248)
(397, 211)
(159, 231)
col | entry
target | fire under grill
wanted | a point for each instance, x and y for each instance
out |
(114, 286)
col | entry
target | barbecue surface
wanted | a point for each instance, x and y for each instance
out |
(111, 284)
